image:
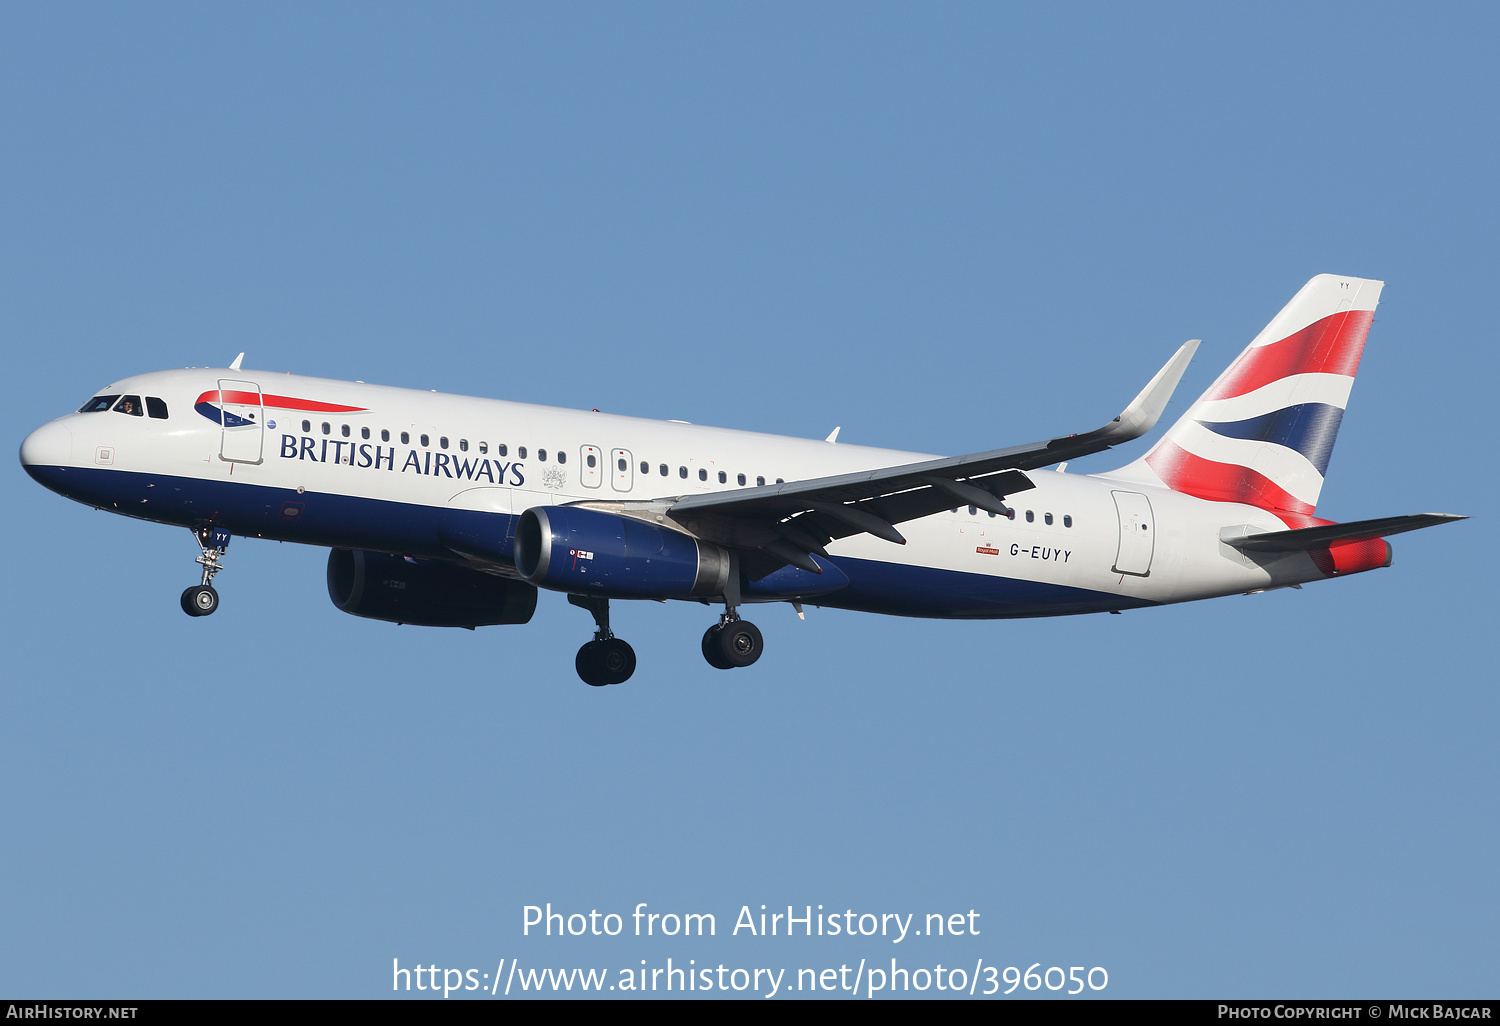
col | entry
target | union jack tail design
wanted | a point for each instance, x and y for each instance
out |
(1263, 432)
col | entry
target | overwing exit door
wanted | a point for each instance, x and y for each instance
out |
(622, 472)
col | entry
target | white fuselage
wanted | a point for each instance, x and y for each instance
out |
(337, 472)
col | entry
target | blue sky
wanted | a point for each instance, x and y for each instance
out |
(945, 231)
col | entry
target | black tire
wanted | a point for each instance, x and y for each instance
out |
(739, 643)
(200, 601)
(616, 660)
(588, 665)
(711, 649)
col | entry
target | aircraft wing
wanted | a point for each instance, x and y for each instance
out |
(789, 521)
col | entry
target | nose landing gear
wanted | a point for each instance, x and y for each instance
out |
(607, 659)
(202, 599)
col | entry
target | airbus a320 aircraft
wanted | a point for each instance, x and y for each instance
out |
(451, 511)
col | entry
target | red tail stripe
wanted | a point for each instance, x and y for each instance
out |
(1332, 345)
(280, 402)
(1184, 472)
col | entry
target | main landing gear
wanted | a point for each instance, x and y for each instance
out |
(606, 659)
(732, 642)
(203, 599)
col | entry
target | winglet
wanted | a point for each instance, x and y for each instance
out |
(1146, 409)
(236, 364)
(834, 435)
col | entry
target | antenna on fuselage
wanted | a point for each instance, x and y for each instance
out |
(236, 364)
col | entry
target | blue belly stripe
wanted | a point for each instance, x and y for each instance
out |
(385, 525)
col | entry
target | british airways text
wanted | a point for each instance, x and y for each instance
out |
(368, 455)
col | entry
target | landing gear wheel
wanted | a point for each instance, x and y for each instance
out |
(587, 665)
(711, 648)
(738, 643)
(616, 660)
(200, 601)
(603, 662)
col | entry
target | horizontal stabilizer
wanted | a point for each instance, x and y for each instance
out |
(1310, 537)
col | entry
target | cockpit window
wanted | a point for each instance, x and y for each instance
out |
(98, 404)
(156, 408)
(130, 404)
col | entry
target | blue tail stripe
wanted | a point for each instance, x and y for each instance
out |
(1309, 428)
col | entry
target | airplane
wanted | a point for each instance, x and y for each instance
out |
(445, 510)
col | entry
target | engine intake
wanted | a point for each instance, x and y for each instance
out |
(566, 548)
(428, 593)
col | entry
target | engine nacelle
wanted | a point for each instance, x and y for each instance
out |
(429, 593)
(589, 552)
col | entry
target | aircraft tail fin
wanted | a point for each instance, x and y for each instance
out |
(1263, 432)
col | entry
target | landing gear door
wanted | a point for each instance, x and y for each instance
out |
(621, 471)
(242, 417)
(1137, 534)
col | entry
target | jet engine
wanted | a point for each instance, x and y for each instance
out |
(429, 593)
(589, 552)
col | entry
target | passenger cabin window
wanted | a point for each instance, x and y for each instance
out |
(645, 467)
(541, 455)
(1030, 516)
(405, 438)
(385, 435)
(562, 457)
(98, 404)
(501, 449)
(521, 452)
(592, 461)
(760, 480)
(1048, 518)
(424, 441)
(156, 409)
(442, 442)
(682, 472)
(742, 479)
(623, 464)
(463, 445)
(1067, 520)
(326, 428)
(664, 470)
(130, 404)
(1010, 514)
(345, 431)
(702, 474)
(364, 432)
(484, 448)
(307, 427)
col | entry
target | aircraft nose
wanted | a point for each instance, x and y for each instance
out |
(50, 445)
